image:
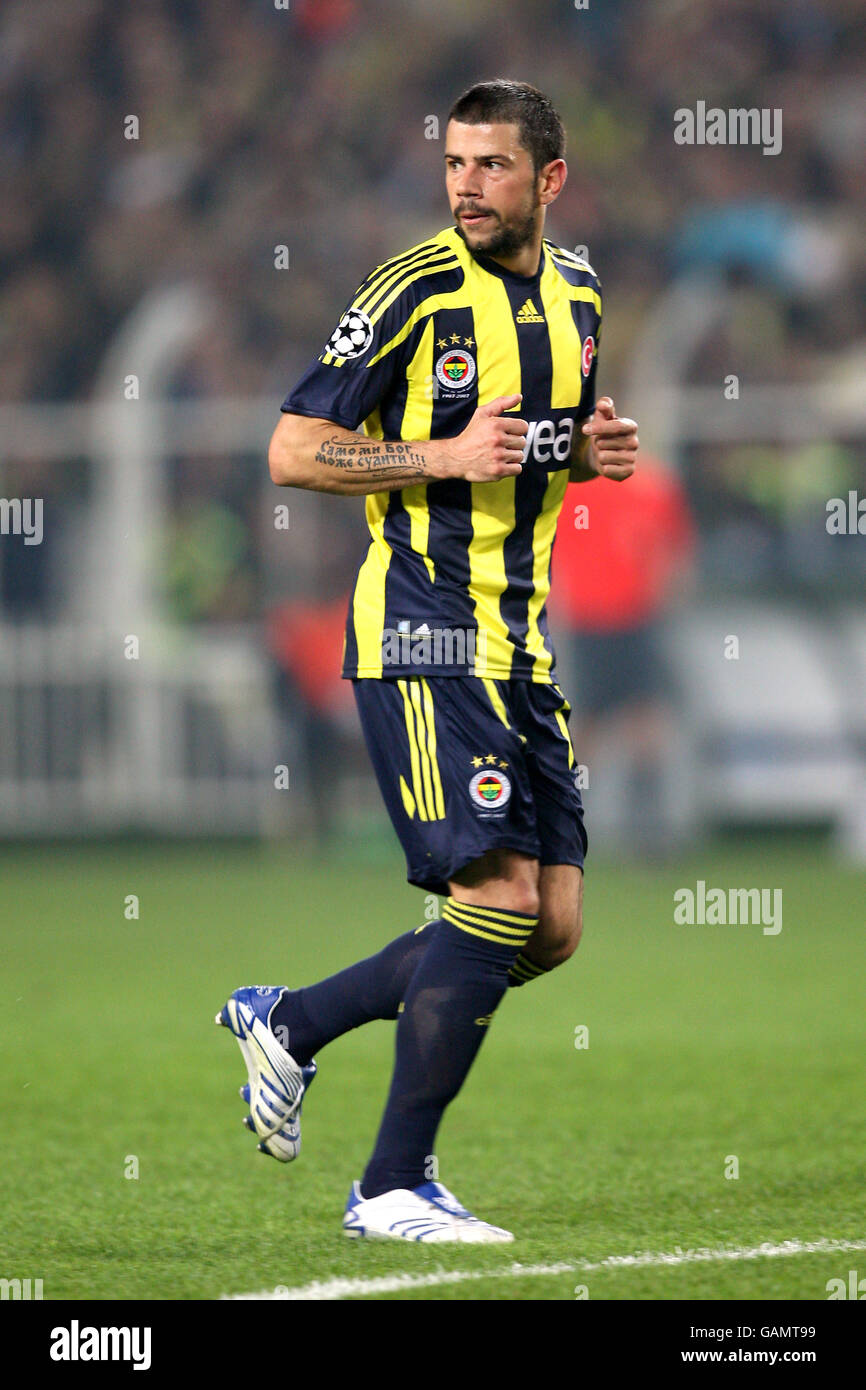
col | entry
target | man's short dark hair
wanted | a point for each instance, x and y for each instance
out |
(515, 103)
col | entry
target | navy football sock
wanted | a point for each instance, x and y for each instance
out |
(450, 1000)
(306, 1019)
(524, 971)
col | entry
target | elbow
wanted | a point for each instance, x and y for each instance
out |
(281, 455)
(276, 465)
(292, 454)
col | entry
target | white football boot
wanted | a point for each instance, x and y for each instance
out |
(472, 1227)
(277, 1083)
(406, 1214)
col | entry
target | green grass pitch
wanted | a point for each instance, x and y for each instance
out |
(705, 1043)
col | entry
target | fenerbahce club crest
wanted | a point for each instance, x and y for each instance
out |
(455, 370)
(490, 790)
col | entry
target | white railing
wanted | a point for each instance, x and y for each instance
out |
(182, 738)
(186, 737)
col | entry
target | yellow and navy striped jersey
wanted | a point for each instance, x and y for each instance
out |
(456, 576)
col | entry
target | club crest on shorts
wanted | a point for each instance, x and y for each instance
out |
(490, 789)
(455, 369)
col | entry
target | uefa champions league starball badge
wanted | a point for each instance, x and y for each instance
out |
(352, 336)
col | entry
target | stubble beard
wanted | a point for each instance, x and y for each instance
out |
(506, 240)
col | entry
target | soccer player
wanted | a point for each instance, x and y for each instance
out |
(457, 393)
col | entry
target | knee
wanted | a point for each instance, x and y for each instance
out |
(523, 896)
(501, 879)
(517, 895)
(561, 931)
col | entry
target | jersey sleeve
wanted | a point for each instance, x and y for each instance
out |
(587, 400)
(361, 362)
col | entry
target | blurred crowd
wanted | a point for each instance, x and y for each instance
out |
(148, 142)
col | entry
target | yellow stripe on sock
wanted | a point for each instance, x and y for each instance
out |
(488, 935)
(492, 927)
(527, 968)
(492, 916)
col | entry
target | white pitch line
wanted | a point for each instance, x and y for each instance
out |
(331, 1289)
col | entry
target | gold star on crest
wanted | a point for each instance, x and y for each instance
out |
(441, 343)
(503, 765)
(455, 337)
(491, 759)
(468, 342)
(476, 762)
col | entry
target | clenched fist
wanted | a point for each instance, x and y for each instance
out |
(490, 447)
(613, 442)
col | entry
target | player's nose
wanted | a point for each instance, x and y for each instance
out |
(468, 184)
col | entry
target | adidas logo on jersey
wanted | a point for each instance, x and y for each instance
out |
(527, 313)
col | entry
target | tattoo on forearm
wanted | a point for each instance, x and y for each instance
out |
(379, 459)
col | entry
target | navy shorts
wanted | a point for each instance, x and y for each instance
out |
(467, 764)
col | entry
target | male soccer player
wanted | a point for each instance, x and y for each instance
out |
(469, 363)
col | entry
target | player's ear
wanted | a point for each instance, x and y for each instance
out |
(551, 180)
